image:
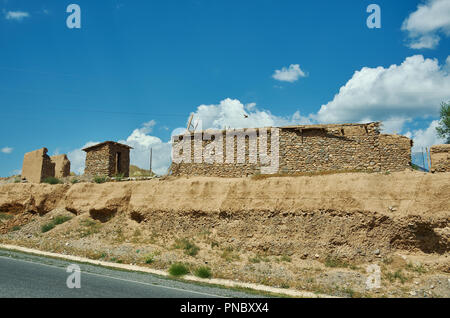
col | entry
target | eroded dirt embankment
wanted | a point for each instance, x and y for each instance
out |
(348, 215)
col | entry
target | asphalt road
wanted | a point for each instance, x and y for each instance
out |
(23, 275)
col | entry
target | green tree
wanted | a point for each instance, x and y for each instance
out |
(443, 129)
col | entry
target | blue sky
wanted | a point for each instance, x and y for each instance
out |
(137, 69)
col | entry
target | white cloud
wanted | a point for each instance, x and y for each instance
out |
(395, 95)
(16, 15)
(77, 158)
(425, 137)
(141, 142)
(232, 113)
(291, 74)
(7, 150)
(425, 25)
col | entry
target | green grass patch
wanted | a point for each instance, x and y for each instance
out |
(149, 259)
(5, 216)
(398, 275)
(15, 228)
(89, 227)
(52, 180)
(203, 272)
(178, 269)
(229, 255)
(100, 179)
(60, 219)
(416, 268)
(189, 248)
(335, 262)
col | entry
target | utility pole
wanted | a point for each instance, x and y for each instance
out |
(151, 153)
(423, 159)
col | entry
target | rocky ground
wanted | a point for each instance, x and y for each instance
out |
(303, 239)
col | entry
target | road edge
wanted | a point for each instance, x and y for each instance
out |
(187, 278)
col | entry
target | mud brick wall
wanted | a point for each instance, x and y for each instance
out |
(101, 160)
(346, 147)
(440, 158)
(62, 165)
(37, 166)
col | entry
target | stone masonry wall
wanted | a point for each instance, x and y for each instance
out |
(97, 161)
(395, 152)
(440, 158)
(346, 147)
(101, 161)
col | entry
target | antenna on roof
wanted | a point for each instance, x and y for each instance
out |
(190, 123)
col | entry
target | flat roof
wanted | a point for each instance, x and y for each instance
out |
(104, 143)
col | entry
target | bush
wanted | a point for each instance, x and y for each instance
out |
(100, 179)
(60, 219)
(47, 227)
(203, 272)
(189, 248)
(5, 216)
(73, 181)
(149, 259)
(178, 269)
(119, 177)
(335, 262)
(52, 180)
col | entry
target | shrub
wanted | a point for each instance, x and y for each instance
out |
(16, 228)
(5, 216)
(73, 181)
(119, 177)
(178, 269)
(99, 179)
(52, 180)
(203, 272)
(47, 227)
(189, 248)
(416, 268)
(335, 262)
(60, 219)
(149, 259)
(397, 275)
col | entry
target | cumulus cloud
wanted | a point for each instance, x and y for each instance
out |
(396, 94)
(141, 141)
(7, 150)
(232, 113)
(427, 23)
(16, 15)
(289, 74)
(77, 158)
(425, 137)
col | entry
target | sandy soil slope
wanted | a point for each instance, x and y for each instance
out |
(315, 233)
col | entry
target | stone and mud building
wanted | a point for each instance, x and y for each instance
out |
(440, 158)
(301, 148)
(108, 158)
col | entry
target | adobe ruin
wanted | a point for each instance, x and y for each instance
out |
(108, 158)
(62, 165)
(302, 148)
(37, 166)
